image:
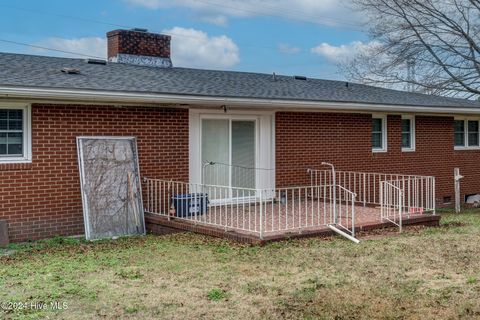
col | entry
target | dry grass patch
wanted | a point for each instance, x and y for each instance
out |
(427, 273)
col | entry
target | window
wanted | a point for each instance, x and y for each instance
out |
(459, 133)
(14, 134)
(408, 133)
(379, 139)
(472, 133)
(11, 132)
(466, 134)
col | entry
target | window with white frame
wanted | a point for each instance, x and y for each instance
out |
(408, 133)
(379, 133)
(459, 131)
(15, 134)
(472, 133)
(466, 133)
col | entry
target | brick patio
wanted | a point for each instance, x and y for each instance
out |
(282, 221)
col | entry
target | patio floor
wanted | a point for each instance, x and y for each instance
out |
(242, 222)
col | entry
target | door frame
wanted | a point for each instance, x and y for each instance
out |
(264, 140)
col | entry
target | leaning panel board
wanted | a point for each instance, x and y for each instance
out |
(110, 186)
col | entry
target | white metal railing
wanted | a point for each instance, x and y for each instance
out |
(229, 208)
(392, 202)
(257, 211)
(419, 191)
(222, 174)
(328, 202)
(345, 210)
(300, 208)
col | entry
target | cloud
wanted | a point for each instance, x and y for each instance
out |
(196, 49)
(326, 12)
(91, 46)
(344, 51)
(219, 20)
(288, 49)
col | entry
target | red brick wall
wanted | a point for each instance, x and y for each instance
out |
(138, 43)
(306, 139)
(43, 199)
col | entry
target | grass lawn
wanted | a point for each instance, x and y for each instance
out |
(424, 273)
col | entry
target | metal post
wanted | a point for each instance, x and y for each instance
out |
(196, 196)
(382, 207)
(261, 214)
(353, 214)
(400, 208)
(334, 195)
(364, 190)
(457, 177)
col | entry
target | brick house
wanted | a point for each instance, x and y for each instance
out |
(183, 117)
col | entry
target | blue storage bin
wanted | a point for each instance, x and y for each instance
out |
(187, 205)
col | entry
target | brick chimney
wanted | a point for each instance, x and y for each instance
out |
(140, 47)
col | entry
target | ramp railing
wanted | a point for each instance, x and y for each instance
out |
(419, 191)
(261, 212)
(392, 202)
(345, 210)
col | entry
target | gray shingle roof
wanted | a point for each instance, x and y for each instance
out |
(18, 70)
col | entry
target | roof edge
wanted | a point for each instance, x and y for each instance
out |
(116, 97)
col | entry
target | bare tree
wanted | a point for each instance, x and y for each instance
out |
(430, 46)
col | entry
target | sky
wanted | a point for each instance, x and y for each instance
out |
(289, 37)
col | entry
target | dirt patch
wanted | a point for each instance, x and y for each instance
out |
(452, 224)
(389, 232)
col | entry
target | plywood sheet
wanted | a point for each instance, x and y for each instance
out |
(111, 188)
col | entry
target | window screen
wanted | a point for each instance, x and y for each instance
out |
(459, 133)
(473, 133)
(377, 133)
(406, 133)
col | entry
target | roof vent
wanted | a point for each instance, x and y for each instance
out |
(96, 61)
(303, 78)
(139, 30)
(70, 70)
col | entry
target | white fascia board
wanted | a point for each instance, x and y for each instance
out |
(114, 97)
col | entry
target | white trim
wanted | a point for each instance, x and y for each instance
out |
(465, 137)
(412, 133)
(384, 133)
(117, 97)
(27, 132)
(458, 148)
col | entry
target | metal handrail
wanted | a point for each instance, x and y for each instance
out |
(259, 211)
(419, 190)
(392, 203)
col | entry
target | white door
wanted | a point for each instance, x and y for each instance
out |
(229, 145)
(242, 145)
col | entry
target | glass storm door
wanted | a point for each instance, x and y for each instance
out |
(230, 143)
